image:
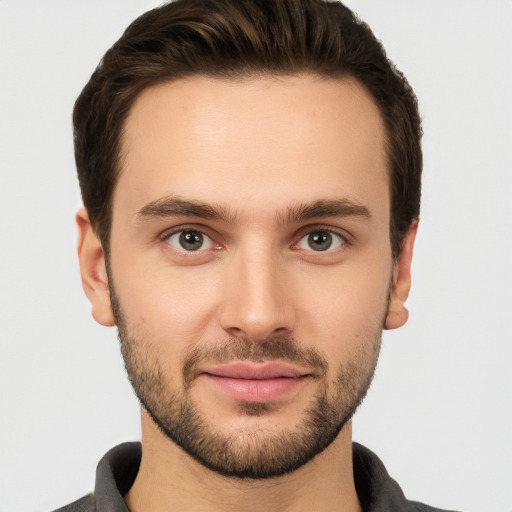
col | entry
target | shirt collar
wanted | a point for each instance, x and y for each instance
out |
(376, 490)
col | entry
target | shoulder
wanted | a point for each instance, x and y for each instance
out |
(85, 504)
(115, 474)
(421, 507)
(376, 489)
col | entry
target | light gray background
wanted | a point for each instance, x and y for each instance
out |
(439, 413)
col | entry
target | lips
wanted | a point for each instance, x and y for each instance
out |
(256, 382)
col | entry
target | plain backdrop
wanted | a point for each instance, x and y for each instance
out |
(439, 413)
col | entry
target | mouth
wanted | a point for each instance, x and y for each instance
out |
(251, 382)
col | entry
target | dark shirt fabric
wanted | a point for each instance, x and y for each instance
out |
(117, 470)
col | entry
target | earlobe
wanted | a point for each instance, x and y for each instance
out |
(93, 270)
(397, 312)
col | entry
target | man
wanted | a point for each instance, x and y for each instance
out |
(250, 172)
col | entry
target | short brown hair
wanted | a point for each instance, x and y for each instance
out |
(232, 38)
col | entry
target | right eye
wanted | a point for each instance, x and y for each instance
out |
(189, 240)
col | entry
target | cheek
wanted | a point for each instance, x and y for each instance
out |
(169, 308)
(344, 309)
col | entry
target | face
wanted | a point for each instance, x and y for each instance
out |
(250, 264)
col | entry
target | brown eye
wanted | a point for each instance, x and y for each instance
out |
(189, 240)
(321, 240)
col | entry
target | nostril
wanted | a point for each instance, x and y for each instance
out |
(236, 332)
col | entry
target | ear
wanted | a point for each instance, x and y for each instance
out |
(93, 270)
(397, 312)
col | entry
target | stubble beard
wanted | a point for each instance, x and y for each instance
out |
(251, 452)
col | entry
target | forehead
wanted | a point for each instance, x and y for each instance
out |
(264, 141)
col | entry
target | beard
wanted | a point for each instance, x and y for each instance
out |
(250, 452)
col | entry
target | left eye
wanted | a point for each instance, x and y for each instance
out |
(190, 240)
(320, 241)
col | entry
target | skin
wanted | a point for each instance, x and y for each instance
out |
(257, 149)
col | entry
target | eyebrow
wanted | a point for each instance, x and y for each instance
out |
(176, 207)
(325, 208)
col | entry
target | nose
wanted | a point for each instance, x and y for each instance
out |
(256, 297)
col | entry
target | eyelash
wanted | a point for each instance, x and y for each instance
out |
(336, 237)
(189, 229)
(343, 238)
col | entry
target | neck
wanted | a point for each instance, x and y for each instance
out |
(169, 479)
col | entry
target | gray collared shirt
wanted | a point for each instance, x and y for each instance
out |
(117, 470)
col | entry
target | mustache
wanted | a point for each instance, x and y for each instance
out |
(276, 348)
